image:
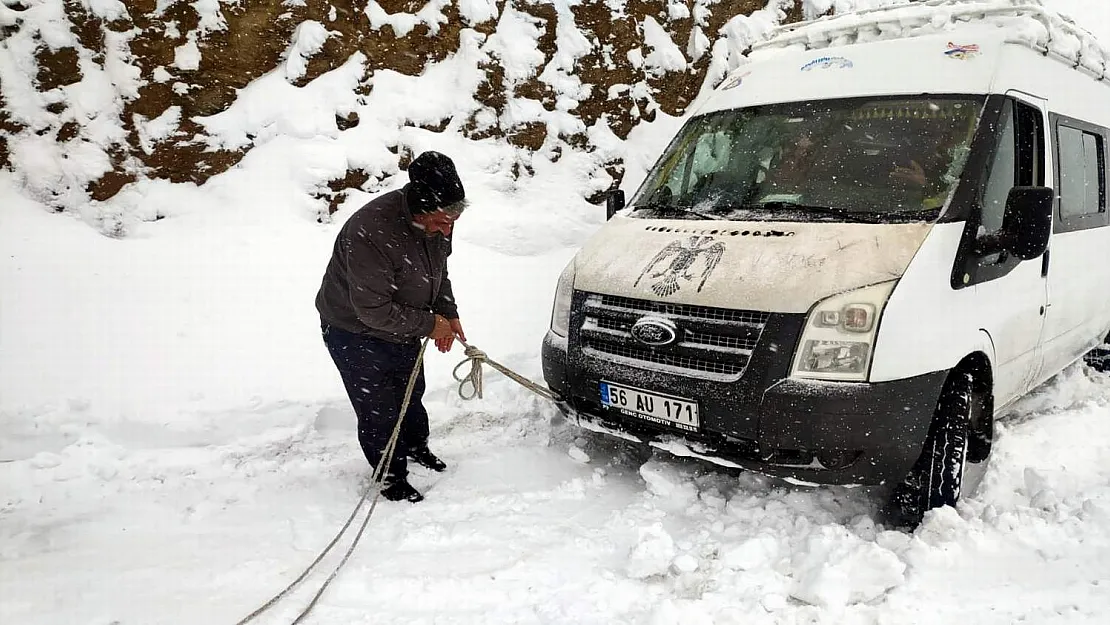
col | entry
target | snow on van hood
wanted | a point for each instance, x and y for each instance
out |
(767, 266)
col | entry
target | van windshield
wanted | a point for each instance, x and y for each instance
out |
(873, 160)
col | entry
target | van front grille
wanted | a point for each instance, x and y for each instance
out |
(681, 310)
(711, 343)
(673, 362)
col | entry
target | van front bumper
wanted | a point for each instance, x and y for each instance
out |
(806, 431)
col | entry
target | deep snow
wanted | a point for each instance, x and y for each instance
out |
(175, 445)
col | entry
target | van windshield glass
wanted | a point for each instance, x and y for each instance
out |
(838, 160)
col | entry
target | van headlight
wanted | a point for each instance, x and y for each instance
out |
(564, 293)
(839, 336)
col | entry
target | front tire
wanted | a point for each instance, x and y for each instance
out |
(937, 478)
(1099, 357)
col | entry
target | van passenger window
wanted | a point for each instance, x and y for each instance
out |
(1031, 148)
(1082, 184)
(1018, 161)
(1002, 177)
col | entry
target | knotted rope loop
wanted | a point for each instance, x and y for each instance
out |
(470, 385)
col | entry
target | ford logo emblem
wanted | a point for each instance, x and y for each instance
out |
(655, 331)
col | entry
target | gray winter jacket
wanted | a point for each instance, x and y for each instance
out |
(386, 277)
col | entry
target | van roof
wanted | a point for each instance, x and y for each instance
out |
(1025, 22)
(935, 47)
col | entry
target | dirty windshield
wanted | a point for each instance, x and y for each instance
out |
(843, 160)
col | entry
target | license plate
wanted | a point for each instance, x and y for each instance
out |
(654, 407)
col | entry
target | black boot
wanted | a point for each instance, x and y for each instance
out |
(399, 489)
(424, 457)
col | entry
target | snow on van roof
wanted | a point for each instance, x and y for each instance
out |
(1025, 22)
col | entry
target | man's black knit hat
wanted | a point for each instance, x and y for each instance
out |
(434, 185)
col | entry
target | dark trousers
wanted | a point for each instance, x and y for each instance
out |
(376, 373)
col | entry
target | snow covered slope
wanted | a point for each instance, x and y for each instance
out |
(175, 445)
(100, 95)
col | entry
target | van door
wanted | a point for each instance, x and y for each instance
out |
(1078, 272)
(1011, 295)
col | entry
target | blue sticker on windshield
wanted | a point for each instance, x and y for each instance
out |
(828, 62)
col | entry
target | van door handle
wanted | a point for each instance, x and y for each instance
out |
(1045, 262)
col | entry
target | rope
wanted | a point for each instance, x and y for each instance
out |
(374, 486)
(470, 385)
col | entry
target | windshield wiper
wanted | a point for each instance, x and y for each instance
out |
(682, 210)
(923, 214)
(817, 209)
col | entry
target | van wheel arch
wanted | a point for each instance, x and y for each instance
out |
(981, 428)
(960, 434)
(1099, 358)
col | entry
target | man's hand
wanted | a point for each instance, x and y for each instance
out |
(456, 327)
(914, 174)
(444, 344)
(445, 332)
(441, 330)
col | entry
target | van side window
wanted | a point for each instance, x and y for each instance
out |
(1082, 183)
(1011, 150)
(1031, 149)
(1018, 161)
(1003, 175)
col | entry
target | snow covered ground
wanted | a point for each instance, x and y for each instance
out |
(175, 445)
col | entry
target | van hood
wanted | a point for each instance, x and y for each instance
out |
(783, 267)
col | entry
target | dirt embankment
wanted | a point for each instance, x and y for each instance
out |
(241, 41)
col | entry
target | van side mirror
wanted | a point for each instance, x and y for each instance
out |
(614, 202)
(1027, 223)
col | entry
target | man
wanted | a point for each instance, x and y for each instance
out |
(385, 288)
(792, 168)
